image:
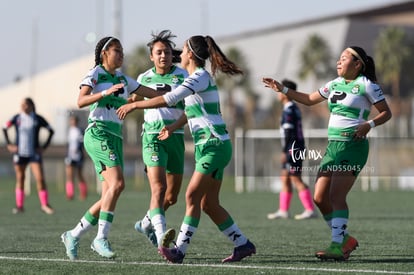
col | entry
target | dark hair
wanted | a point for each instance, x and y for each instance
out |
(29, 101)
(289, 84)
(102, 45)
(165, 37)
(74, 117)
(369, 66)
(205, 47)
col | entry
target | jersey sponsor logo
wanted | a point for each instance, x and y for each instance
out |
(337, 95)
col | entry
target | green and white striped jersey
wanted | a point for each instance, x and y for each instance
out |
(349, 104)
(202, 106)
(156, 119)
(102, 113)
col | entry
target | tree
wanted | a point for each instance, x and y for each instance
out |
(316, 59)
(138, 61)
(231, 84)
(390, 51)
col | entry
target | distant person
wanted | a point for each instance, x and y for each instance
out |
(164, 159)
(74, 160)
(350, 97)
(291, 173)
(28, 150)
(104, 89)
(213, 148)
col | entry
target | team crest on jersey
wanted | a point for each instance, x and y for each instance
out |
(174, 79)
(154, 157)
(355, 89)
(112, 156)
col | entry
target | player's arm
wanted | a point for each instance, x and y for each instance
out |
(144, 91)
(12, 148)
(86, 97)
(304, 98)
(168, 130)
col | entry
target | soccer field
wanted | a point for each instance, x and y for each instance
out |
(383, 222)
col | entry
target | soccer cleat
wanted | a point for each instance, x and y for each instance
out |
(103, 248)
(149, 232)
(307, 214)
(349, 244)
(47, 209)
(167, 238)
(278, 215)
(18, 210)
(172, 255)
(241, 252)
(71, 244)
(333, 252)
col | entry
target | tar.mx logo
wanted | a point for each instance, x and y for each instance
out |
(302, 154)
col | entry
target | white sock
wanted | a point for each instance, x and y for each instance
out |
(184, 237)
(104, 226)
(235, 235)
(81, 228)
(146, 221)
(158, 221)
(338, 229)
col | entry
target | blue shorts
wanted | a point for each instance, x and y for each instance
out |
(20, 160)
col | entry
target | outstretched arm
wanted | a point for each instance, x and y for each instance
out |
(147, 92)
(85, 97)
(155, 102)
(306, 99)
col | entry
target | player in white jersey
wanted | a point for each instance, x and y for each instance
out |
(27, 149)
(350, 97)
(104, 89)
(213, 149)
(164, 159)
(74, 160)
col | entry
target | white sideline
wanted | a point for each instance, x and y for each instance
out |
(229, 266)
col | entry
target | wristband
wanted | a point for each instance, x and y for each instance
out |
(285, 90)
(103, 93)
(371, 123)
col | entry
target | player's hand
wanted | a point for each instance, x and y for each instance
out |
(124, 110)
(12, 148)
(115, 88)
(273, 84)
(164, 133)
(362, 130)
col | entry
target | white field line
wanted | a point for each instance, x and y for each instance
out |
(228, 266)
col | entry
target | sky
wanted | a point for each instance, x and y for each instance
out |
(39, 35)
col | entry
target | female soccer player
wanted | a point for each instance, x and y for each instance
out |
(350, 97)
(164, 159)
(27, 149)
(104, 89)
(213, 149)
